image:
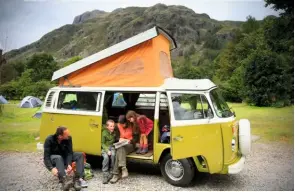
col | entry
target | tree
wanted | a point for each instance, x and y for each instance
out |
(8, 73)
(286, 5)
(10, 90)
(43, 66)
(72, 60)
(265, 80)
(250, 25)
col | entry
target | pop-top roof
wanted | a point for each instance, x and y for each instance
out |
(126, 44)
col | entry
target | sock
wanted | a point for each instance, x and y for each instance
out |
(145, 146)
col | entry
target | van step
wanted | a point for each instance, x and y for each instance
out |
(147, 156)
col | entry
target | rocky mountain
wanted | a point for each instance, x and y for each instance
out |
(87, 15)
(96, 30)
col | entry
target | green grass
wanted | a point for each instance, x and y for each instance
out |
(271, 124)
(18, 129)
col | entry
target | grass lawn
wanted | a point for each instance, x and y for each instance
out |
(271, 124)
(18, 129)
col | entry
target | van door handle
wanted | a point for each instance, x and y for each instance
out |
(94, 125)
(178, 138)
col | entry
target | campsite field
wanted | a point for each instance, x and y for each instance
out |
(18, 129)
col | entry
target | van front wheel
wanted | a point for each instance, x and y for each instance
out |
(177, 172)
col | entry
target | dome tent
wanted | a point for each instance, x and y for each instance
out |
(38, 113)
(3, 100)
(30, 102)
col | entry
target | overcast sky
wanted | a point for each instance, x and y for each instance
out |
(25, 21)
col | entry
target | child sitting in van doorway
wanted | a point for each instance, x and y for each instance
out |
(108, 150)
(145, 126)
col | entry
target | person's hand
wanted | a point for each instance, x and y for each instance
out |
(121, 139)
(54, 171)
(109, 153)
(69, 169)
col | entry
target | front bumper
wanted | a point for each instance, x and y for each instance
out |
(237, 167)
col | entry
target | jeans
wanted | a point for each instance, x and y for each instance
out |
(120, 160)
(107, 159)
(59, 163)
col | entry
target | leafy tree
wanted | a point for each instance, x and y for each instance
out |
(264, 79)
(43, 66)
(250, 25)
(24, 83)
(286, 5)
(10, 90)
(72, 60)
(8, 73)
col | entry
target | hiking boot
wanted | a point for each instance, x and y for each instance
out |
(139, 150)
(124, 172)
(105, 178)
(67, 183)
(114, 179)
(77, 185)
(110, 176)
(144, 151)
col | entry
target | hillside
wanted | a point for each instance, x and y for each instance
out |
(96, 30)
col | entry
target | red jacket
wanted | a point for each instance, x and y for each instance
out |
(145, 124)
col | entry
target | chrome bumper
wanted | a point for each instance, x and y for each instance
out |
(237, 167)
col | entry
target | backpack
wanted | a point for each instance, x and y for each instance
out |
(88, 173)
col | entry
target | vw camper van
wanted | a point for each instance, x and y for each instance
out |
(204, 135)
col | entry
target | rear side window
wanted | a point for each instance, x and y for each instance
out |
(83, 101)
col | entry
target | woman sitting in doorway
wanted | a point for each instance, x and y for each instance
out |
(127, 132)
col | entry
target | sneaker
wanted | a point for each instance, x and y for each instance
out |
(124, 172)
(144, 151)
(114, 179)
(77, 185)
(139, 150)
(84, 184)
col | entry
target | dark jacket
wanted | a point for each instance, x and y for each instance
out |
(52, 147)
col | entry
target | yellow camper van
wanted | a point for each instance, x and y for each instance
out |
(136, 74)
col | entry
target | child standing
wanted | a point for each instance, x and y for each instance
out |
(145, 127)
(108, 151)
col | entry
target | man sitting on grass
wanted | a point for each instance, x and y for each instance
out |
(58, 157)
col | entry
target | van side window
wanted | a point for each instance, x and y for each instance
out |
(190, 106)
(84, 101)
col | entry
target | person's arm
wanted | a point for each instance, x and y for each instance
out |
(47, 153)
(103, 142)
(70, 152)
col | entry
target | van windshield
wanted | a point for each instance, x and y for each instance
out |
(220, 106)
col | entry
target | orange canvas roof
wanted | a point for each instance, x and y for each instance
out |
(140, 61)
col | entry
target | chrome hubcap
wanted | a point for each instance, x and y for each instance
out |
(174, 170)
